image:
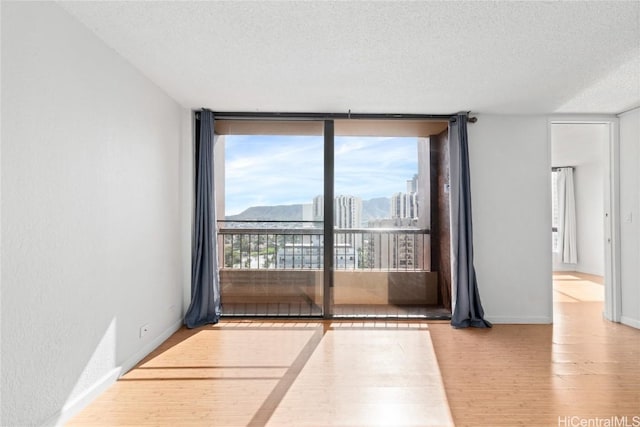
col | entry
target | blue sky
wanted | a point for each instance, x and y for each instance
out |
(280, 170)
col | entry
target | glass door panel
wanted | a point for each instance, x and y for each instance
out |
(271, 240)
(381, 227)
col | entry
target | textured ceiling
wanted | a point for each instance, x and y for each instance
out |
(381, 57)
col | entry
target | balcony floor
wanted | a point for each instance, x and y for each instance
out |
(301, 309)
(392, 311)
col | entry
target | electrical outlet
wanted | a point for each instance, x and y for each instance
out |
(143, 330)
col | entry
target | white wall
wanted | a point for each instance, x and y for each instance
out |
(630, 213)
(187, 201)
(584, 145)
(511, 191)
(91, 227)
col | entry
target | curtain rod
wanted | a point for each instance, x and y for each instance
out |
(332, 116)
(555, 168)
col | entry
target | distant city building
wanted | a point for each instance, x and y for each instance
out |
(311, 255)
(307, 214)
(346, 256)
(301, 255)
(412, 184)
(404, 249)
(318, 208)
(393, 223)
(405, 205)
(347, 211)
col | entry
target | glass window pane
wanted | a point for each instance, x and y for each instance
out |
(271, 262)
(381, 226)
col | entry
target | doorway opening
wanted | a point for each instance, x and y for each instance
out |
(583, 189)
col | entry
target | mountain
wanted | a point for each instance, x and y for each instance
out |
(371, 209)
(267, 213)
(377, 208)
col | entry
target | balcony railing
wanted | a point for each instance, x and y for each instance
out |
(300, 246)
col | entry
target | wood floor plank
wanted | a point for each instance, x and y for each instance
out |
(244, 372)
(581, 366)
(377, 376)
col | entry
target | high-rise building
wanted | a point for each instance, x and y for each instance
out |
(347, 211)
(394, 249)
(307, 214)
(404, 205)
(318, 208)
(310, 255)
(404, 212)
(412, 184)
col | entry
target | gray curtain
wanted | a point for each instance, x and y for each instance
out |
(467, 309)
(205, 282)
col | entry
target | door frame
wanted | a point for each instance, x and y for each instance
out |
(329, 162)
(611, 206)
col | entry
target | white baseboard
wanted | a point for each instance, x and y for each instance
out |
(72, 408)
(520, 320)
(564, 268)
(128, 364)
(634, 323)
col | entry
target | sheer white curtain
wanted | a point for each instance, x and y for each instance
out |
(567, 246)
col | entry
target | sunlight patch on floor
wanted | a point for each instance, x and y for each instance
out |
(576, 287)
(373, 377)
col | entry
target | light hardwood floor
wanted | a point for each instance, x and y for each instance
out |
(539, 375)
(323, 373)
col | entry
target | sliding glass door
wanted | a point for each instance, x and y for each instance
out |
(270, 234)
(325, 218)
(381, 227)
